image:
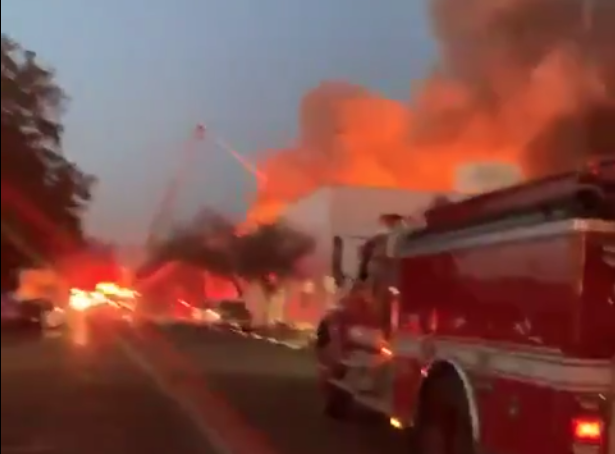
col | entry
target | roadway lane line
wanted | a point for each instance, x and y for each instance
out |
(259, 337)
(210, 437)
(273, 340)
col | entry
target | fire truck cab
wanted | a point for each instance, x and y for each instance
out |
(490, 328)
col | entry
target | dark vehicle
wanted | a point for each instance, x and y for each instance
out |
(29, 314)
(234, 314)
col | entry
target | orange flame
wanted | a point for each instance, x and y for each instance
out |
(526, 83)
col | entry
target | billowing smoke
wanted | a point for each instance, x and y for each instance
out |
(534, 76)
(525, 82)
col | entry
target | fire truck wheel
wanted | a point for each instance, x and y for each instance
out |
(338, 403)
(443, 423)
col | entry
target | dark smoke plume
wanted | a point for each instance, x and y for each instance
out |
(537, 75)
(526, 83)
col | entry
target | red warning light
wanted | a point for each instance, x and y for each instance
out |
(587, 430)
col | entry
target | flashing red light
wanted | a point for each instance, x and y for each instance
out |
(588, 430)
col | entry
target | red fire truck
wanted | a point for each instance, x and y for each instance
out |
(490, 328)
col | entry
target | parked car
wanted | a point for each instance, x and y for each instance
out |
(232, 313)
(204, 314)
(36, 314)
(11, 313)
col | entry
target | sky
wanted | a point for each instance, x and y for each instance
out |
(141, 74)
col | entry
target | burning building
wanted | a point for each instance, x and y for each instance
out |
(520, 83)
(526, 86)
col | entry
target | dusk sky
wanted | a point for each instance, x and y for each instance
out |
(142, 73)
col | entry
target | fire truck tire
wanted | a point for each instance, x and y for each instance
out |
(339, 404)
(443, 424)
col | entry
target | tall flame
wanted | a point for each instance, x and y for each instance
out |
(530, 83)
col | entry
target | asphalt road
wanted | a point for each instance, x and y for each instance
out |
(83, 394)
(101, 390)
(259, 397)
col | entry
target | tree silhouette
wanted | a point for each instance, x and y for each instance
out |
(43, 194)
(271, 253)
(267, 254)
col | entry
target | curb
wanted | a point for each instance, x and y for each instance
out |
(298, 345)
(275, 341)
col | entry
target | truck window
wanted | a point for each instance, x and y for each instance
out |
(365, 256)
(609, 213)
(337, 256)
(323, 336)
(371, 252)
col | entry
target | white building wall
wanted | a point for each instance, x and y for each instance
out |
(356, 214)
(480, 177)
(353, 213)
(304, 302)
(312, 215)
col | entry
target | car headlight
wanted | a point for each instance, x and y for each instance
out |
(80, 302)
(54, 318)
